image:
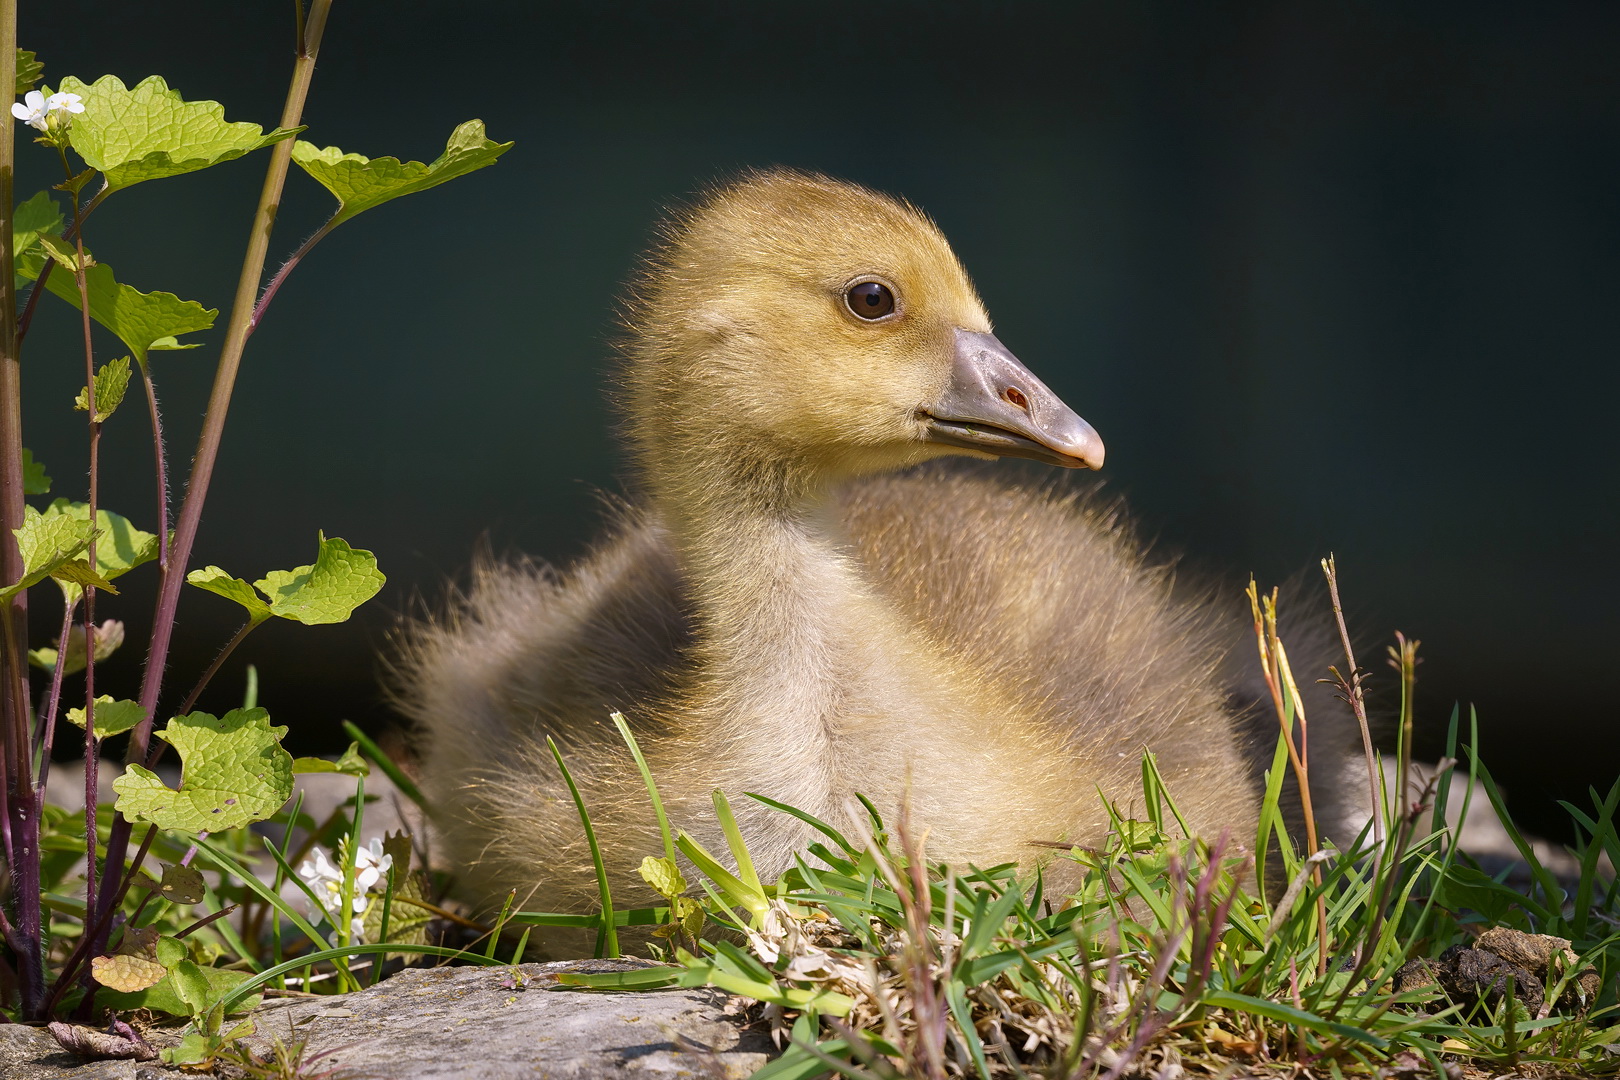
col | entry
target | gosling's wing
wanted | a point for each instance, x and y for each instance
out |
(526, 651)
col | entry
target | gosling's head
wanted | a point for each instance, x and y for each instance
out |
(798, 322)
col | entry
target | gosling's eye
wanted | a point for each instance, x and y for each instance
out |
(870, 299)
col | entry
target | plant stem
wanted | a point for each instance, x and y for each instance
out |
(162, 462)
(213, 669)
(22, 823)
(271, 289)
(99, 931)
(91, 748)
(1351, 684)
(202, 471)
(46, 721)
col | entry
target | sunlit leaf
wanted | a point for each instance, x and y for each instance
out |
(126, 973)
(120, 546)
(327, 591)
(149, 131)
(143, 321)
(233, 772)
(112, 717)
(111, 383)
(46, 542)
(360, 183)
(349, 762)
(215, 580)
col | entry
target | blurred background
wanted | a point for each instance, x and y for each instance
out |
(1326, 277)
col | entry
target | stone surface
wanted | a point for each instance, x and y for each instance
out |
(444, 1023)
(29, 1053)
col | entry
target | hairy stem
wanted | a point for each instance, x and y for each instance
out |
(160, 456)
(21, 820)
(271, 289)
(91, 748)
(202, 684)
(202, 470)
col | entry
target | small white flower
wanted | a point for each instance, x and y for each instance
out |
(325, 880)
(71, 103)
(32, 108)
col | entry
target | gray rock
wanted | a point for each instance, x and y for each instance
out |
(29, 1053)
(445, 1023)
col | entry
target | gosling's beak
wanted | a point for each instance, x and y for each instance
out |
(996, 406)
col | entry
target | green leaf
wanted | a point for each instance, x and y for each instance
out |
(165, 996)
(65, 252)
(120, 546)
(29, 71)
(215, 580)
(35, 482)
(111, 382)
(234, 772)
(351, 762)
(360, 183)
(46, 542)
(143, 321)
(663, 875)
(191, 986)
(38, 215)
(340, 580)
(182, 885)
(112, 717)
(149, 131)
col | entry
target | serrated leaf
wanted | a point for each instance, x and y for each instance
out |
(29, 71)
(149, 131)
(360, 183)
(46, 542)
(340, 580)
(233, 772)
(350, 762)
(182, 885)
(65, 252)
(35, 480)
(120, 546)
(142, 321)
(125, 973)
(77, 573)
(112, 717)
(37, 216)
(215, 580)
(111, 383)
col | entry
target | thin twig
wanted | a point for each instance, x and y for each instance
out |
(1351, 689)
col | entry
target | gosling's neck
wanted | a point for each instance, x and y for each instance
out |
(802, 661)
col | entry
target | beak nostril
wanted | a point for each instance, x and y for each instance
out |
(1016, 397)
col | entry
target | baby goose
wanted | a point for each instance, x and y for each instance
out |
(785, 612)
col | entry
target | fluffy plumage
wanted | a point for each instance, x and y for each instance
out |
(799, 605)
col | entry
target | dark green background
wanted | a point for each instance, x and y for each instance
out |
(1325, 276)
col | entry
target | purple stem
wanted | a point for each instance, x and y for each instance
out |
(274, 287)
(46, 721)
(91, 744)
(219, 400)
